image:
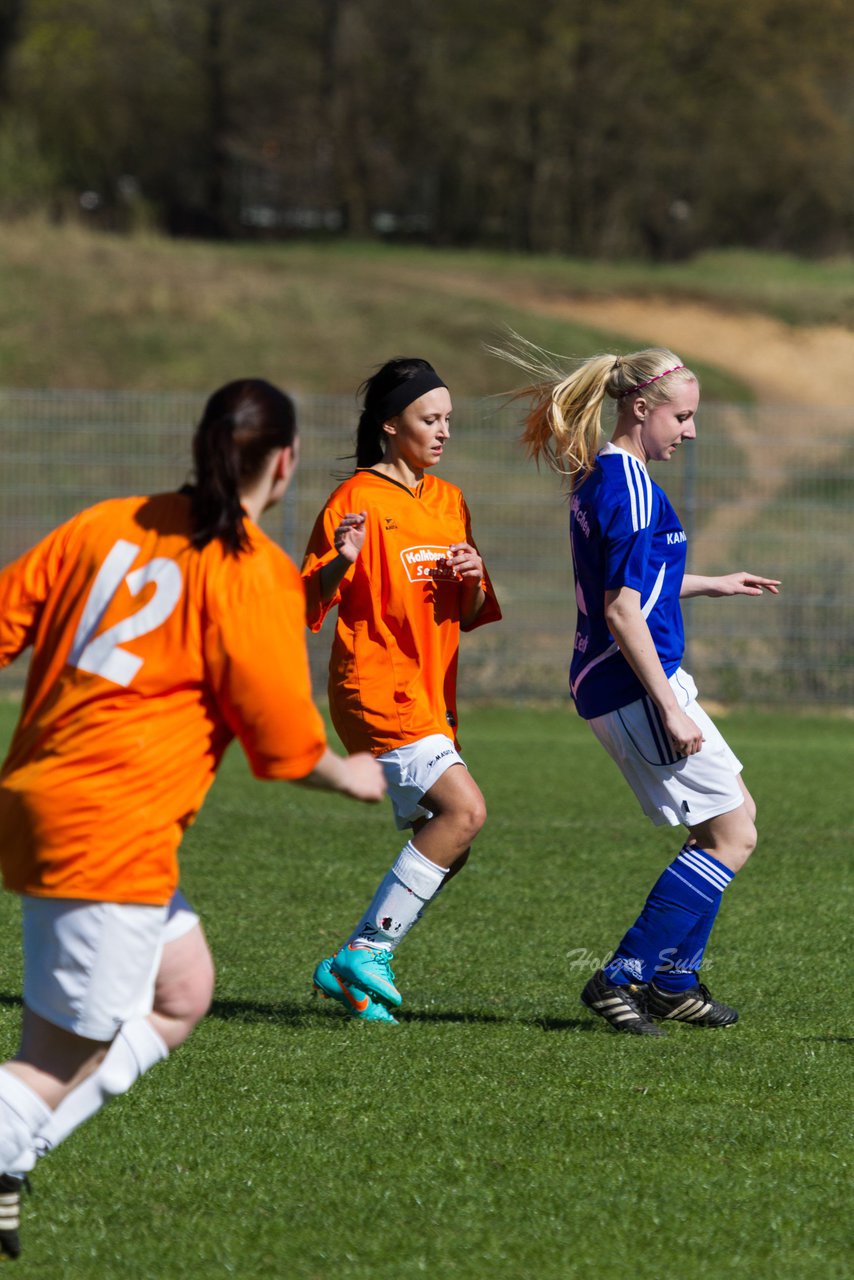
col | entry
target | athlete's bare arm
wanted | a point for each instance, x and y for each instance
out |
(348, 540)
(359, 776)
(467, 563)
(730, 584)
(628, 627)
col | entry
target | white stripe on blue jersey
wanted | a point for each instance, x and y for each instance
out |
(640, 491)
(646, 609)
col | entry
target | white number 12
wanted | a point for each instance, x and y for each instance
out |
(102, 655)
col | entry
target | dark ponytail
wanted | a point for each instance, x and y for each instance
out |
(242, 424)
(377, 391)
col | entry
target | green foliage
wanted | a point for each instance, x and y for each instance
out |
(499, 1131)
(613, 128)
(28, 179)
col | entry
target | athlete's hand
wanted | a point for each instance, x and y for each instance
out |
(686, 736)
(349, 538)
(360, 776)
(465, 561)
(364, 778)
(743, 584)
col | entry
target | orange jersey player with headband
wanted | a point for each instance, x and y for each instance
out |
(393, 551)
(393, 669)
(161, 628)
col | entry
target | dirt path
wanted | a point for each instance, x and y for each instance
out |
(791, 369)
(783, 364)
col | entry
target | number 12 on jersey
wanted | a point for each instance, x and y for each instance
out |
(101, 654)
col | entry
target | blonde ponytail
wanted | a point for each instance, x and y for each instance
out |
(563, 425)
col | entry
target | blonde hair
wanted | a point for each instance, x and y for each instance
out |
(564, 423)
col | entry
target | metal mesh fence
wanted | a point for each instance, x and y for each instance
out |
(767, 490)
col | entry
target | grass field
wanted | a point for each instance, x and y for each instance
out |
(498, 1131)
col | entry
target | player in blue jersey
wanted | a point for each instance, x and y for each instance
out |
(629, 555)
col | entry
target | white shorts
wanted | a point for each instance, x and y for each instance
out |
(90, 966)
(412, 770)
(672, 789)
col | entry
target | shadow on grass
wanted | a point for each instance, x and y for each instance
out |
(499, 1018)
(260, 1011)
(298, 1014)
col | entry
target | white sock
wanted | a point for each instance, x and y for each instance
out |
(22, 1114)
(136, 1048)
(400, 899)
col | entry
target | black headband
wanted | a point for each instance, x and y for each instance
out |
(413, 389)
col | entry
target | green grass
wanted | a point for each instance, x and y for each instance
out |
(498, 1131)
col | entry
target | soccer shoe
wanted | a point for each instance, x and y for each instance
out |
(369, 969)
(357, 1003)
(10, 1214)
(624, 1008)
(694, 1005)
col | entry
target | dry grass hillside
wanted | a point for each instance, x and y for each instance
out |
(80, 309)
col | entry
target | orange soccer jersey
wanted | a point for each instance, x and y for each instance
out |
(392, 672)
(149, 656)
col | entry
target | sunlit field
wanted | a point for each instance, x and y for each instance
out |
(499, 1130)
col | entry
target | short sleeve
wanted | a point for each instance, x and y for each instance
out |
(319, 552)
(24, 588)
(256, 656)
(627, 540)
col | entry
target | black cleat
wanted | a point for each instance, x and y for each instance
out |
(624, 1008)
(694, 1005)
(10, 1214)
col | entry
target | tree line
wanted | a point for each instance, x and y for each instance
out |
(589, 127)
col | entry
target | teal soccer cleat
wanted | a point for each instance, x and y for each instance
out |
(357, 1003)
(369, 969)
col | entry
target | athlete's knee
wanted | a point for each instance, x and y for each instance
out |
(184, 988)
(750, 841)
(731, 837)
(185, 1004)
(747, 828)
(200, 994)
(471, 815)
(742, 841)
(194, 1009)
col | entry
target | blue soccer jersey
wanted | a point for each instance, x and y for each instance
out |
(624, 533)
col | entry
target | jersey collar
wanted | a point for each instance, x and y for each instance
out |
(369, 471)
(609, 448)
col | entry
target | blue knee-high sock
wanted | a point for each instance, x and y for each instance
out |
(678, 971)
(677, 918)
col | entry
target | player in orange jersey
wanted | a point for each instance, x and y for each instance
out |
(162, 627)
(393, 550)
